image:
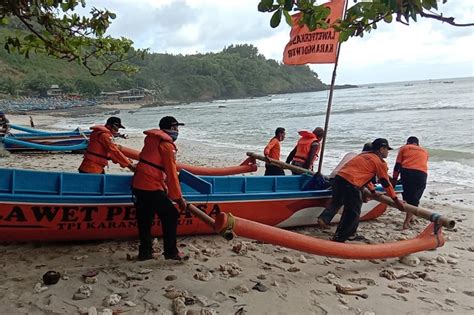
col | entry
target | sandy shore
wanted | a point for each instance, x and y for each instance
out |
(263, 279)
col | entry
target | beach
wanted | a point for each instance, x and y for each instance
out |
(240, 276)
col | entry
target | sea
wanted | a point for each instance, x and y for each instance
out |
(439, 112)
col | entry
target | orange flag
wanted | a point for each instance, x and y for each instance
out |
(318, 46)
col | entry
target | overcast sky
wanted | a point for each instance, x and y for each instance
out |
(393, 52)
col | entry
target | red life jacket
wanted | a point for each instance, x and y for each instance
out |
(303, 146)
(95, 151)
(150, 161)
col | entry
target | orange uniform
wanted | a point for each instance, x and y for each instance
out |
(303, 147)
(156, 169)
(360, 170)
(100, 149)
(306, 150)
(412, 157)
(272, 150)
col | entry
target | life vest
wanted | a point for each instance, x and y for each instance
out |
(303, 146)
(95, 151)
(150, 161)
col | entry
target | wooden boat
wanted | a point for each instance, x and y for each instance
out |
(47, 206)
(38, 140)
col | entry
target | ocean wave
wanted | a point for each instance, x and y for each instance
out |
(449, 155)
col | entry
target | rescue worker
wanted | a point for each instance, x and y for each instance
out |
(348, 183)
(101, 148)
(155, 186)
(4, 124)
(328, 214)
(412, 165)
(307, 149)
(272, 151)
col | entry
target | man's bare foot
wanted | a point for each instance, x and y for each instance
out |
(323, 225)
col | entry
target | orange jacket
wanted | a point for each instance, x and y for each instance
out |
(156, 169)
(272, 150)
(303, 147)
(100, 149)
(411, 156)
(361, 169)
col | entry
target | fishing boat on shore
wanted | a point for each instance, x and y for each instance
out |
(31, 139)
(56, 206)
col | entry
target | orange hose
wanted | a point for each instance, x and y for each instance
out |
(261, 232)
(245, 167)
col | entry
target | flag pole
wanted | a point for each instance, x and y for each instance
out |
(331, 92)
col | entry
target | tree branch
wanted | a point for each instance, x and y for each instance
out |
(449, 20)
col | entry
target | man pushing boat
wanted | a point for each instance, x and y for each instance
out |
(356, 174)
(101, 148)
(155, 186)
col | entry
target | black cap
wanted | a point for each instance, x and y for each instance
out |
(115, 121)
(412, 140)
(367, 147)
(169, 121)
(380, 143)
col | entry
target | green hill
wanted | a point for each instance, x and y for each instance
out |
(235, 72)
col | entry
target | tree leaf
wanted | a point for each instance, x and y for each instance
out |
(276, 18)
(388, 18)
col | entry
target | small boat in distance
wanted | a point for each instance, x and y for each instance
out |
(39, 140)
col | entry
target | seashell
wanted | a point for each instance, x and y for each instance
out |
(288, 260)
(302, 259)
(409, 260)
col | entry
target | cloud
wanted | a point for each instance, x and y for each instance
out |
(394, 52)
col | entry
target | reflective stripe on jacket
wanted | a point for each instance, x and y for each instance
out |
(156, 169)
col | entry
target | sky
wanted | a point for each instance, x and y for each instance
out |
(394, 52)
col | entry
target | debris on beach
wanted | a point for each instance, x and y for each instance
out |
(112, 299)
(203, 276)
(231, 269)
(347, 290)
(410, 260)
(39, 288)
(83, 292)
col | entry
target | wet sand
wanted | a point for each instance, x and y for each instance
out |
(219, 279)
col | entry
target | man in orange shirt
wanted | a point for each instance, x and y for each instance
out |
(155, 186)
(356, 174)
(412, 165)
(307, 149)
(272, 150)
(101, 148)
